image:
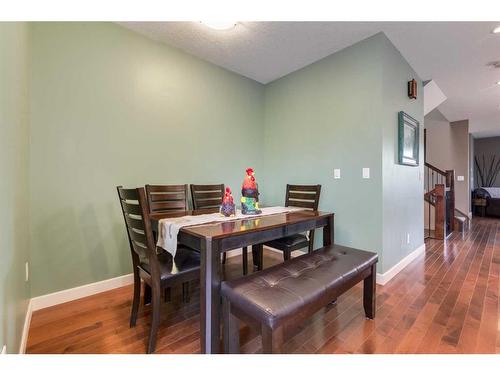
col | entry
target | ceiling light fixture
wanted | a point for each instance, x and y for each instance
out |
(496, 30)
(220, 25)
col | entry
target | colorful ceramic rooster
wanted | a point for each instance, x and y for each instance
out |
(228, 208)
(250, 194)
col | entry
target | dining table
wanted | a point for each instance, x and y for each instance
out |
(213, 239)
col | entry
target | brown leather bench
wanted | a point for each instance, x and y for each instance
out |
(288, 293)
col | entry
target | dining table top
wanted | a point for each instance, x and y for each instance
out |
(222, 229)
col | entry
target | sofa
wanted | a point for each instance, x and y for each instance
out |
(492, 196)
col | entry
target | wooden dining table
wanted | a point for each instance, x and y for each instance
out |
(215, 238)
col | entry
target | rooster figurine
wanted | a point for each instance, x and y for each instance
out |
(228, 208)
(250, 194)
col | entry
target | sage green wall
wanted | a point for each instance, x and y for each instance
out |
(341, 112)
(111, 107)
(14, 151)
(326, 116)
(403, 186)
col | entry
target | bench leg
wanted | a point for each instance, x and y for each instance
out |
(287, 255)
(369, 293)
(231, 334)
(245, 260)
(272, 340)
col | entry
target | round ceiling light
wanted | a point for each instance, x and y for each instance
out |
(496, 30)
(219, 25)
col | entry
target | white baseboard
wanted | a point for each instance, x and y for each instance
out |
(383, 278)
(67, 295)
(26, 328)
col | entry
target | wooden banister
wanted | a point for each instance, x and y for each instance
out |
(435, 169)
(440, 188)
(450, 182)
(440, 213)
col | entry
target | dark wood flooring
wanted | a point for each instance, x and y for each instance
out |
(446, 301)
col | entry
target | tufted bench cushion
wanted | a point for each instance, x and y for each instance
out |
(283, 290)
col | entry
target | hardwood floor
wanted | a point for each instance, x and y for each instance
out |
(446, 301)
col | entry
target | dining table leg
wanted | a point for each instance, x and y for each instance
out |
(210, 310)
(328, 232)
(328, 240)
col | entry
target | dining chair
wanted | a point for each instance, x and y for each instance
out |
(304, 196)
(167, 198)
(210, 196)
(158, 269)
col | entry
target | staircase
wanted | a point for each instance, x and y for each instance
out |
(442, 218)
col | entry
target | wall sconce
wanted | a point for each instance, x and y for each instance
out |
(412, 89)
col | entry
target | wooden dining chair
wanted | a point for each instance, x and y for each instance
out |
(304, 196)
(158, 269)
(167, 198)
(210, 196)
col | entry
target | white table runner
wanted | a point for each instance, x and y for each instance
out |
(168, 228)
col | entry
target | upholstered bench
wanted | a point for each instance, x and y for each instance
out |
(288, 293)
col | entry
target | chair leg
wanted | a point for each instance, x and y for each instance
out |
(369, 293)
(258, 256)
(167, 295)
(272, 340)
(155, 321)
(231, 329)
(255, 261)
(147, 294)
(245, 260)
(287, 254)
(224, 258)
(185, 292)
(311, 242)
(137, 298)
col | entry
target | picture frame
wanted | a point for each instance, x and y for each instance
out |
(408, 140)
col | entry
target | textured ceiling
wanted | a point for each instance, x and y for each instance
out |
(454, 54)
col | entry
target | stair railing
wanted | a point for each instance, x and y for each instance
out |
(440, 196)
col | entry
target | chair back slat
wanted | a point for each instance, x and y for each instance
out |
(309, 188)
(305, 196)
(134, 222)
(161, 206)
(137, 237)
(207, 196)
(158, 197)
(135, 213)
(131, 208)
(166, 188)
(167, 198)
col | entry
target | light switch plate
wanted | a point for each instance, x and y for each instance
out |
(460, 178)
(27, 271)
(336, 173)
(366, 172)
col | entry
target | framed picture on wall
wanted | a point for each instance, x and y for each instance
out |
(408, 136)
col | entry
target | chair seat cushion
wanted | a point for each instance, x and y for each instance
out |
(295, 241)
(185, 261)
(290, 288)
